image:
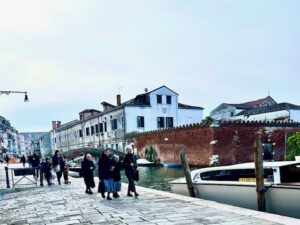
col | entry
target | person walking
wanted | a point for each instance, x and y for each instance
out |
(87, 168)
(7, 159)
(58, 165)
(23, 160)
(105, 173)
(117, 167)
(35, 162)
(46, 171)
(130, 166)
(66, 172)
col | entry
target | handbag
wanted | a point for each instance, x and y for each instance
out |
(101, 187)
(57, 169)
(136, 175)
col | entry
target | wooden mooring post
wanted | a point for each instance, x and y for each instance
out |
(259, 175)
(187, 173)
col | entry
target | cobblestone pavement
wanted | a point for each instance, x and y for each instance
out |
(68, 204)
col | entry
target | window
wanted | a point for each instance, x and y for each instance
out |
(160, 122)
(140, 121)
(114, 124)
(159, 99)
(122, 122)
(169, 122)
(101, 127)
(169, 99)
(87, 131)
(80, 133)
(92, 130)
(97, 128)
(105, 126)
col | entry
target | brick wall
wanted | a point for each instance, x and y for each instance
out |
(234, 142)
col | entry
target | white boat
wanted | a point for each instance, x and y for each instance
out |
(235, 185)
(144, 162)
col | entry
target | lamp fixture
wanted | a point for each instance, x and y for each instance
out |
(26, 99)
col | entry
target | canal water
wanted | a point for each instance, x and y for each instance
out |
(157, 177)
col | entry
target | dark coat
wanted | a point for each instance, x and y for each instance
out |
(87, 168)
(129, 170)
(118, 166)
(46, 168)
(23, 159)
(58, 161)
(104, 166)
(35, 160)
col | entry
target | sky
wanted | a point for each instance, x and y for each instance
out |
(71, 55)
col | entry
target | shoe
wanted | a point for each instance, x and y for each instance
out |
(129, 195)
(109, 198)
(103, 195)
(136, 194)
(115, 195)
(86, 191)
(90, 192)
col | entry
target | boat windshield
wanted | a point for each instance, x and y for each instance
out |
(243, 175)
(290, 174)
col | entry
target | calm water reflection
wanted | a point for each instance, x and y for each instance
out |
(157, 177)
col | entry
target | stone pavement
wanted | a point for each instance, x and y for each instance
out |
(68, 204)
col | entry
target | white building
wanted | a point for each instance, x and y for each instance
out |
(228, 111)
(157, 109)
(278, 112)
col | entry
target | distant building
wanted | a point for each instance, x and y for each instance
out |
(8, 138)
(227, 111)
(31, 142)
(157, 109)
(265, 109)
(278, 112)
(45, 145)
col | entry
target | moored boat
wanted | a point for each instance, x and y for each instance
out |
(144, 162)
(235, 185)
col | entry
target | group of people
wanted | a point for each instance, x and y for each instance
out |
(49, 168)
(110, 173)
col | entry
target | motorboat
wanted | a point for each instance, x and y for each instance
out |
(236, 185)
(144, 162)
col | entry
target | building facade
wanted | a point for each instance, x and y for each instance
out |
(8, 138)
(110, 128)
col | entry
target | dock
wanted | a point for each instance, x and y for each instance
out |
(69, 204)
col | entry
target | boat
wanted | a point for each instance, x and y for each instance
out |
(172, 165)
(144, 162)
(236, 185)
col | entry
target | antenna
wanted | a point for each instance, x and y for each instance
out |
(119, 90)
(146, 90)
(268, 93)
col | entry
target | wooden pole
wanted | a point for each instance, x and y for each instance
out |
(187, 173)
(259, 175)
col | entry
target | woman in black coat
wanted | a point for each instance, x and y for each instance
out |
(105, 173)
(58, 165)
(130, 166)
(117, 166)
(87, 168)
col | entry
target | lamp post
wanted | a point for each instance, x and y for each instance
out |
(16, 92)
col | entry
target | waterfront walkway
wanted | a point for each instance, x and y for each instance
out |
(68, 204)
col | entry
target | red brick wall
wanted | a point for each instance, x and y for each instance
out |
(234, 143)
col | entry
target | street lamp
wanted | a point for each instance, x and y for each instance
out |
(16, 92)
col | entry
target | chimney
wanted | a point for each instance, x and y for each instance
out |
(118, 100)
(58, 123)
(53, 125)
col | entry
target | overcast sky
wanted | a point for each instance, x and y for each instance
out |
(72, 55)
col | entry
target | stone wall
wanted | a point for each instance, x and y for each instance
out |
(234, 142)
